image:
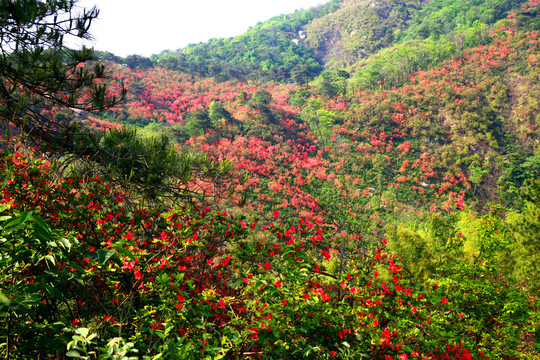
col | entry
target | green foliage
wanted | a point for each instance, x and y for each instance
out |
(321, 121)
(79, 347)
(518, 169)
(81, 344)
(358, 238)
(218, 113)
(198, 123)
(39, 75)
(529, 18)
(137, 62)
(357, 30)
(300, 97)
(392, 66)
(417, 249)
(332, 84)
(260, 102)
(150, 167)
(524, 225)
(266, 52)
(441, 17)
(28, 243)
(471, 261)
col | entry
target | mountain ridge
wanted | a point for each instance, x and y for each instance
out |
(339, 35)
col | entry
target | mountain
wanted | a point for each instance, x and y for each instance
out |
(268, 51)
(357, 36)
(358, 180)
(467, 124)
(357, 30)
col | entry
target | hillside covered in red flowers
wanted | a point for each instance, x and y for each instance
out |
(284, 220)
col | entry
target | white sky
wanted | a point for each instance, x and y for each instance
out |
(147, 27)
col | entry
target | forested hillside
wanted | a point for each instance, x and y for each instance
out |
(357, 180)
(269, 51)
(378, 40)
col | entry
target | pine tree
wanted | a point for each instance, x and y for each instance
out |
(40, 75)
(45, 86)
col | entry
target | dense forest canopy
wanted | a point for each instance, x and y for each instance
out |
(355, 180)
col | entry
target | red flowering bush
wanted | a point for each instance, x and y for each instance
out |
(199, 281)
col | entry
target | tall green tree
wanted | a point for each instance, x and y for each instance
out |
(45, 87)
(39, 72)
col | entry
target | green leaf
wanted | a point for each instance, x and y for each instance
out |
(66, 244)
(101, 256)
(50, 290)
(82, 331)
(287, 252)
(16, 223)
(8, 225)
(58, 294)
(73, 353)
(125, 251)
(92, 255)
(105, 256)
(25, 216)
(78, 280)
(50, 259)
(39, 221)
(4, 300)
(42, 234)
